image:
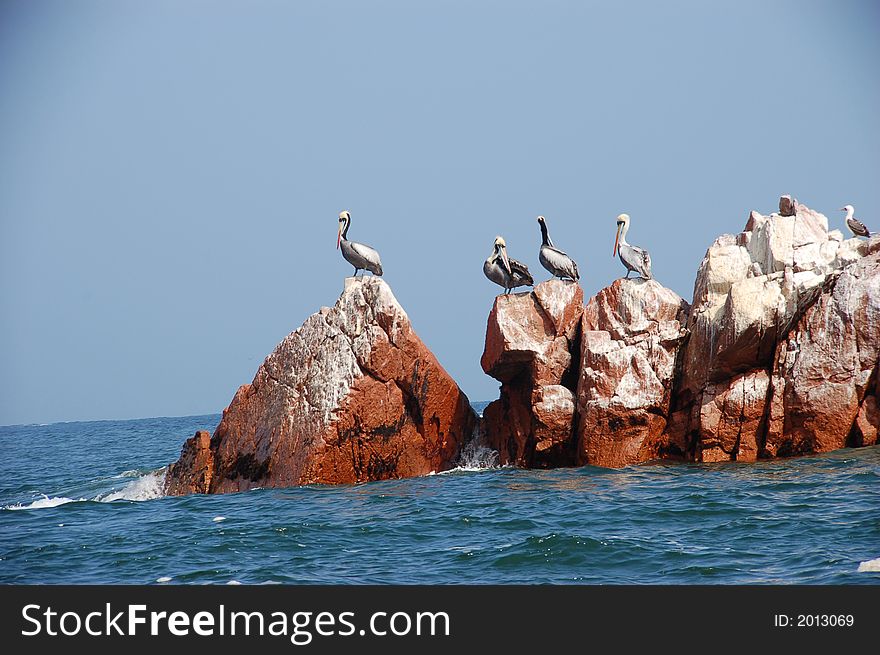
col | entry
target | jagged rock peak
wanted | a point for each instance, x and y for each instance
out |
(352, 395)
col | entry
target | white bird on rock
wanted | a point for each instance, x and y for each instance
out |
(855, 225)
(634, 258)
(506, 272)
(357, 254)
(553, 259)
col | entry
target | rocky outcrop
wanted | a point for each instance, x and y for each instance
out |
(777, 356)
(772, 349)
(629, 345)
(532, 349)
(352, 395)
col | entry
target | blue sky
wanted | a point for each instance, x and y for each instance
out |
(171, 171)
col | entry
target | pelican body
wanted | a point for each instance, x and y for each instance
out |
(553, 259)
(634, 258)
(506, 272)
(855, 225)
(360, 256)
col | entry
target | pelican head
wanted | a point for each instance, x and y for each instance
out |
(848, 209)
(622, 227)
(344, 219)
(501, 251)
(541, 220)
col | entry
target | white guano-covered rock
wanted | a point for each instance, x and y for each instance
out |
(750, 287)
(630, 338)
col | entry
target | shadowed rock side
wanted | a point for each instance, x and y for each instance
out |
(352, 395)
(630, 340)
(783, 343)
(530, 341)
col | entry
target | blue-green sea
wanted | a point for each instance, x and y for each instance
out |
(81, 503)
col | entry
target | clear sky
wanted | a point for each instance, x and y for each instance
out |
(171, 171)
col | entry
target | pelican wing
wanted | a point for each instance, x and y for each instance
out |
(636, 259)
(369, 256)
(644, 258)
(521, 275)
(365, 251)
(559, 263)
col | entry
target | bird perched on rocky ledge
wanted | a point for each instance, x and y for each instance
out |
(504, 271)
(553, 259)
(855, 225)
(634, 258)
(360, 256)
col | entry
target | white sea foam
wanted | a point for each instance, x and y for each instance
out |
(218, 519)
(476, 456)
(131, 473)
(44, 503)
(146, 487)
(870, 566)
(233, 582)
(164, 578)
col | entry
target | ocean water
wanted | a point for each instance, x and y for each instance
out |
(82, 503)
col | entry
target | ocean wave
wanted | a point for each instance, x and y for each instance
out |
(476, 456)
(131, 473)
(44, 503)
(146, 487)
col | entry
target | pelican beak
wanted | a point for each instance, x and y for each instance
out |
(842, 209)
(338, 236)
(505, 261)
(616, 239)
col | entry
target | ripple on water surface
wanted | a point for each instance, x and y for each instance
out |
(93, 511)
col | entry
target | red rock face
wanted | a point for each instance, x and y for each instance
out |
(778, 356)
(825, 371)
(529, 343)
(353, 395)
(195, 468)
(631, 335)
(732, 418)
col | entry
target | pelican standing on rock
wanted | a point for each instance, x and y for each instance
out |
(855, 225)
(504, 271)
(634, 258)
(553, 259)
(356, 254)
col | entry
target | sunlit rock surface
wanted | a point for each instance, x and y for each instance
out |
(352, 395)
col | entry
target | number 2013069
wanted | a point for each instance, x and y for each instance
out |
(814, 620)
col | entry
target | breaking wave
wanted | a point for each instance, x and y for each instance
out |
(476, 456)
(143, 487)
(44, 503)
(146, 487)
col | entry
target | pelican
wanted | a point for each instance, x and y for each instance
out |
(855, 225)
(553, 259)
(356, 254)
(634, 258)
(504, 271)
